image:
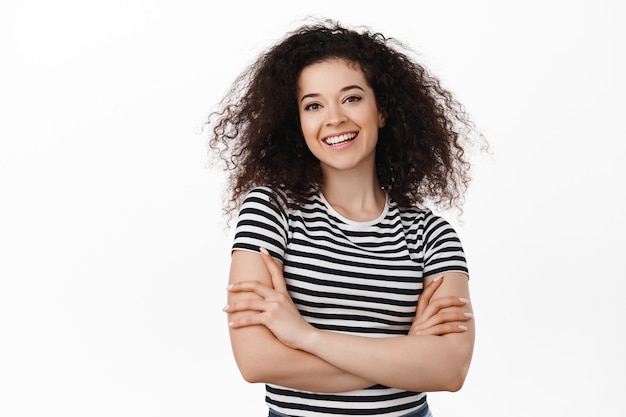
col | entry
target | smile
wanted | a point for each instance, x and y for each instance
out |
(338, 140)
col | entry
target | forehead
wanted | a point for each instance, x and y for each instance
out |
(329, 74)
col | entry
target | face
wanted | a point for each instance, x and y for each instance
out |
(339, 117)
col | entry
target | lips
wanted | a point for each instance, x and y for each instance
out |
(340, 139)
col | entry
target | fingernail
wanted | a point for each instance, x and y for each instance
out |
(225, 308)
(263, 250)
(230, 324)
(437, 278)
(470, 315)
(464, 328)
(463, 300)
(230, 287)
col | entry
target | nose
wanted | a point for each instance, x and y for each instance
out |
(335, 116)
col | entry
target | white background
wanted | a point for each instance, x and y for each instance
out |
(114, 254)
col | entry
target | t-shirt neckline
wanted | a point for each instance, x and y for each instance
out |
(334, 212)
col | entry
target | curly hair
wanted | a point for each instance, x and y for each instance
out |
(420, 156)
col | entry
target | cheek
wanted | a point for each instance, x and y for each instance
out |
(308, 128)
(310, 133)
(311, 143)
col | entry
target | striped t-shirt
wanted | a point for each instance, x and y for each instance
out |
(362, 278)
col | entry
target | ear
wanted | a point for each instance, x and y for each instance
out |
(381, 119)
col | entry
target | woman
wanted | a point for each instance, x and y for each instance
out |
(336, 142)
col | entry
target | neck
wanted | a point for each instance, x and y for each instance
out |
(354, 195)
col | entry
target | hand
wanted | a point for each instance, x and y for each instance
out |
(430, 320)
(275, 310)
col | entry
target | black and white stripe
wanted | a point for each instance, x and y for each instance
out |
(361, 278)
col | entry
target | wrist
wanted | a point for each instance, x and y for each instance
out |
(308, 342)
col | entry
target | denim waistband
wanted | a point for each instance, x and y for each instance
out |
(423, 412)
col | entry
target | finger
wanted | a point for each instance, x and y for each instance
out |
(262, 290)
(441, 330)
(437, 304)
(276, 272)
(446, 317)
(427, 294)
(456, 317)
(246, 305)
(248, 320)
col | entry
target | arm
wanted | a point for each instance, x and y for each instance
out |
(261, 357)
(414, 362)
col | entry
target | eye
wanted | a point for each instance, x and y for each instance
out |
(312, 106)
(352, 99)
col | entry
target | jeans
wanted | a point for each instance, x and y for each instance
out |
(424, 412)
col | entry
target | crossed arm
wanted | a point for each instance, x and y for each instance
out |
(273, 344)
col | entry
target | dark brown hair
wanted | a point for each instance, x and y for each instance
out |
(420, 155)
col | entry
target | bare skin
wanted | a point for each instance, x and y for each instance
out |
(274, 344)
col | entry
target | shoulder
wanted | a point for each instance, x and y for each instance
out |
(415, 215)
(261, 205)
(423, 222)
(261, 193)
(266, 196)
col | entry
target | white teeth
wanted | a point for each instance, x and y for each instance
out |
(340, 139)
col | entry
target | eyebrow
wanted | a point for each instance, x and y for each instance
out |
(346, 88)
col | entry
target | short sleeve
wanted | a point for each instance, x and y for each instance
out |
(261, 223)
(443, 251)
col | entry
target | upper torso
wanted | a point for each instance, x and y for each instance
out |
(362, 278)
